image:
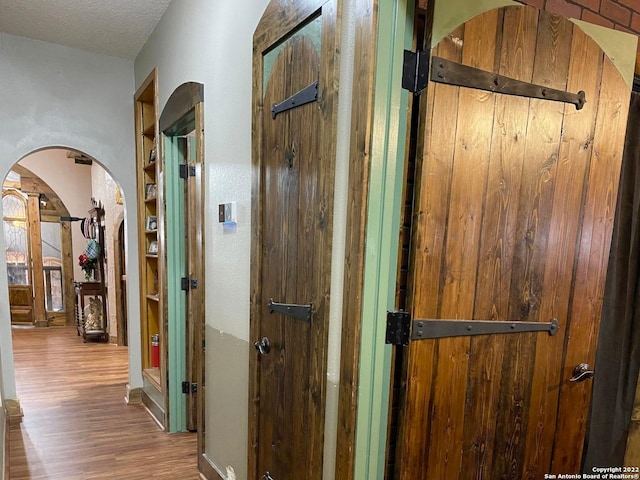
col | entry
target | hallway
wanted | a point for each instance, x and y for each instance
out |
(76, 425)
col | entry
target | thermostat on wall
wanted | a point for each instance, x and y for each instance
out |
(227, 213)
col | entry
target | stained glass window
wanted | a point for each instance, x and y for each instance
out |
(16, 239)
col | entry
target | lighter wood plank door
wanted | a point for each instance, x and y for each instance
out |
(513, 216)
(293, 251)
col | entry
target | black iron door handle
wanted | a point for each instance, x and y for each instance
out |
(581, 373)
(263, 346)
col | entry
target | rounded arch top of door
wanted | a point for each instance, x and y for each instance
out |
(619, 46)
(281, 17)
(503, 406)
(182, 100)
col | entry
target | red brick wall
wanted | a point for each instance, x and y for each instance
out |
(622, 15)
(619, 14)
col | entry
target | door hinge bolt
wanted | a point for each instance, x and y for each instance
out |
(415, 70)
(185, 171)
(398, 328)
(188, 387)
(187, 284)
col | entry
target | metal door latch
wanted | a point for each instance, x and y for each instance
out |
(263, 346)
(267, 476)
(582, 372)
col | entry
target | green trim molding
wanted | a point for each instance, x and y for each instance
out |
(395, 33)
(176, 301)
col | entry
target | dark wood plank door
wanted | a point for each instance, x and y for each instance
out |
(292, 251)
(513, 214)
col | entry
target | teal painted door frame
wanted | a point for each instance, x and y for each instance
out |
(395, 33)
(176, 268)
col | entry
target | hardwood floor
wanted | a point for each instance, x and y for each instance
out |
(76, 425)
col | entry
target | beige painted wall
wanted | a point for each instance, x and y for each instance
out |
(207, 42)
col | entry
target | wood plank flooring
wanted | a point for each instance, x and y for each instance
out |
(76, 425)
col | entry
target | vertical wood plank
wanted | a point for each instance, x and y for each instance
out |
(532, 231)
(434, 160)
(468, 183)
(67, 272)
(593, 255)
(35, 252)
(366, 12)
(198, 308)
(573, 162)
(497, 243)
(255, 276)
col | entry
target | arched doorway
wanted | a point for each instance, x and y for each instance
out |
(39, 278)
(66, 185)
(512, 225)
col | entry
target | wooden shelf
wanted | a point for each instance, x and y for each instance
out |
(149, 130)
(150, 167)
(151, 268)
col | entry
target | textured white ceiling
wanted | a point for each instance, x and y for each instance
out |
(112, 27)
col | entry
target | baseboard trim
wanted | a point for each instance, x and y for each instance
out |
(4, 474)
(208, 471)
(155, 411)
(133, 396)
(13, 411)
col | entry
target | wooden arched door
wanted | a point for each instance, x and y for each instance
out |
(514, 209)
(292, 220)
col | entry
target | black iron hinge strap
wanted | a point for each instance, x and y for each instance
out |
(301, 312)
(452, 73)
(307, 95)
(400, 328)
(423, 328)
